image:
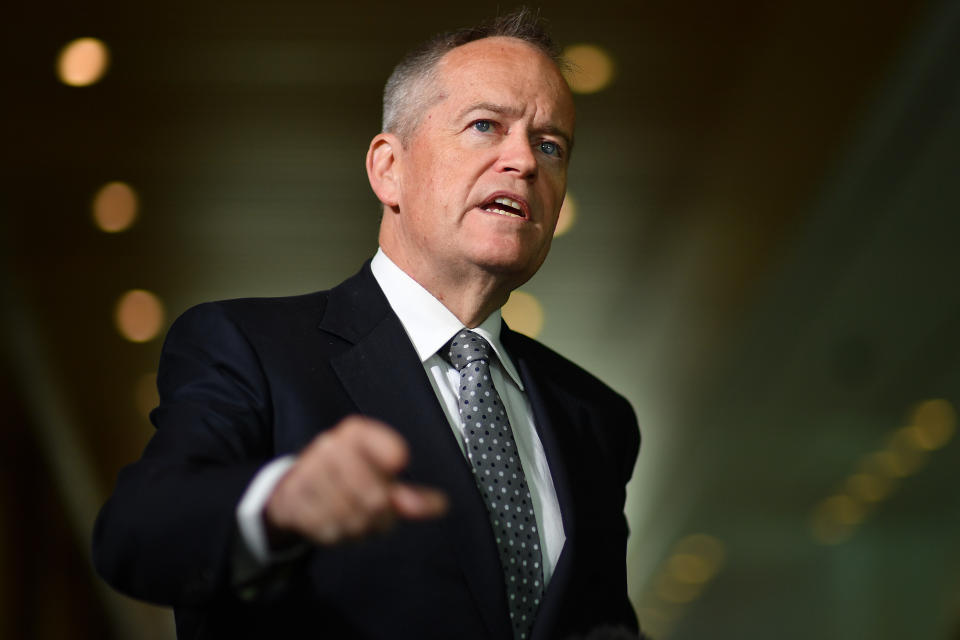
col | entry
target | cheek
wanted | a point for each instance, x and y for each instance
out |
(554, 188)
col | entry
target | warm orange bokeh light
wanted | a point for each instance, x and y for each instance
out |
(591, 68)
(568, 214)
(524, 313)
(82, 62)
(139, 315)
(115, 207)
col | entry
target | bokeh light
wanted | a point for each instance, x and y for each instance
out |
(898, 461)
(524, 313)
(834, 519)
(688, 567)
(931, 425)
(673, 591)
(693, 562)
(910, 456)
(845, 509)
(568, 215)
(139, 315)
(115, 207)
(591, 68)
(82, 62)
(868, 487)
(710, 549)
(826, 530)
(934, 423)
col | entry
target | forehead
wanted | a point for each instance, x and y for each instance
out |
(506, 70)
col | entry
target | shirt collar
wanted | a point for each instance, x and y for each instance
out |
(428, 323)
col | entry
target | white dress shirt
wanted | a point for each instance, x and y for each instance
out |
(429, 325)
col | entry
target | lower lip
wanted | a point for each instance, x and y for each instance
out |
(501, 216)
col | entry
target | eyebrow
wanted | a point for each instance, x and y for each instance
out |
(515, 113)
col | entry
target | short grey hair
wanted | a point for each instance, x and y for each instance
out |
(405, 94)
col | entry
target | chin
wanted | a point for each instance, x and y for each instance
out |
(516, 259)
(517, 269)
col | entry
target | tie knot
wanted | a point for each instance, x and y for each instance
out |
(466, 347)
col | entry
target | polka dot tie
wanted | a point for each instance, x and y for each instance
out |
(492, 451)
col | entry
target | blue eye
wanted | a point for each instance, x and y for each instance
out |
(550, 148)
(483, 126)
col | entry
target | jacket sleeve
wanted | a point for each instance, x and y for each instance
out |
(168, 532)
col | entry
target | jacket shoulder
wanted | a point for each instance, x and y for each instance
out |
(564, 370)
(605, 414)
(263, 309)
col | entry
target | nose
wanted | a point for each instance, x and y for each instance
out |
(517, 156)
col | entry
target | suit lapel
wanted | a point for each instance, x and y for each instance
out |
(384, 377)
(553, 424)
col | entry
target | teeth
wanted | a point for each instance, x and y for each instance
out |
(509, 203)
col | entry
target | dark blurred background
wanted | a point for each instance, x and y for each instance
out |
(761, 253)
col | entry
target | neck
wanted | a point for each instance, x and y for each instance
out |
(468, 291)
(472, 302)
(470, 296)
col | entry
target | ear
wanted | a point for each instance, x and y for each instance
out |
(382, 168)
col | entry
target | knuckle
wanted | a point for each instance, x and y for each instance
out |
(355, 525)
(375, 500)
(351, 425)
(326, 528)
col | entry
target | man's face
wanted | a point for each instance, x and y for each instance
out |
(482, 177)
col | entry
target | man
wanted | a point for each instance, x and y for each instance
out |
(386, 459)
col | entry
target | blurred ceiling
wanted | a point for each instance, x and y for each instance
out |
(763, 261)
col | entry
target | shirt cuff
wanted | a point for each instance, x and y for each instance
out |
(250, 510)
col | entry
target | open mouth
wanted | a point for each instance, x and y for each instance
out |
(505, 206)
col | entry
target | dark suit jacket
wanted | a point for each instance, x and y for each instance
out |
(244, 381)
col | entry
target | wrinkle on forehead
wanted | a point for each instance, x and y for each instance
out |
(522, 60)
